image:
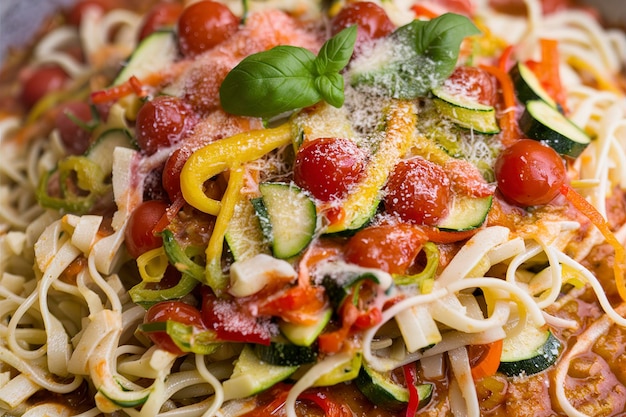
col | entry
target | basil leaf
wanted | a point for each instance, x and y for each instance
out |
(415, 58)
(271, 82)
(336, 52)
(330, 87)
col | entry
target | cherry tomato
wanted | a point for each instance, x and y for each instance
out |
(473, 83)
(392, 248)
(160, 16)
(176, 311)
(418, 191)
(464, 7)
(42, 81)
(372, 20)
(75, 137)
(171, 173)
(529, 173)
(163, 122)
(138, 236)
(328, 167)
(203, 25)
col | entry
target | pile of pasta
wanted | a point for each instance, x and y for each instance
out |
(71, 321)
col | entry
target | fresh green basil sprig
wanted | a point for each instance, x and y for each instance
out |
(286, 78)
(415, 58)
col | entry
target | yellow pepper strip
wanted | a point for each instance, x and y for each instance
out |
(604, 83)
(398, 140)
(152, 265)
(214, 276)
(224, 154)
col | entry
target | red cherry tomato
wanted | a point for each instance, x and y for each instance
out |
(176, 311)
(138, 235)
(203, 25)
(163, 122)
(69, 121)
(328, 167)
(372, 20)
(171, 173)
(473, 83)
(529, 173)
(418, 191)
(160, 16)
(392, 248)
(42, 81)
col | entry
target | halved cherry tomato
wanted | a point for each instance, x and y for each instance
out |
(204, 25)
(71, 121)
(231, 322)
(474, 83)
(176, 311)
(163, 122)
(41, 81)
(529, 173)
(139, 236)
(392, 248)
(161, 15)
(418, 191)
(328, 167)
(372, 20)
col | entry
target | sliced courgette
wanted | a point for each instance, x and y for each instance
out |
(284, 353)
(347, 371)
(114, 390)
(384, 391)
(287, 216)
(155, 53)
(544, 123)
(466, 213)
(187, 338)
(244, 236)
(341, 278)
(305, 335)
(251, 375)
(101, 151)
(466, 113)
(527, 85)
(531, 351)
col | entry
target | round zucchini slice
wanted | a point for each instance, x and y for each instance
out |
(544, 123)
(527, 85)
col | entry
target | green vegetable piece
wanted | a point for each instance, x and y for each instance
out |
(287, 78)
(416, 58)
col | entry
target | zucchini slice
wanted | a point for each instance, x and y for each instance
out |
(466, 213)
(527, 85)
(530, 352)
(385, 392)
(347, 371)
(155, 53)
(252, 375)
(305, 335)
(284, 353)
(101, 151)
(545, 123)
(466, 113)
(244, 236)
(288, 218)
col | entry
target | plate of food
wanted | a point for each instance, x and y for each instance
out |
(304, 208)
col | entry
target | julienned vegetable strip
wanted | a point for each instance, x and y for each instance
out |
(410, 376)
(224, 154)
(510, 128)
(596, 218)
(214, 276)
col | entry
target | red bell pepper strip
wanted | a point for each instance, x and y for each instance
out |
(547, 71)
(410, 376)
(331, 408)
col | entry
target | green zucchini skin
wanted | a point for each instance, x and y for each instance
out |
(465, 113)
(544, 123)
(527, 85)
(466, 213)
(529, 353)
(281, 353)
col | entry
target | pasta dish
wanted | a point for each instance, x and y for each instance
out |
(288, 207)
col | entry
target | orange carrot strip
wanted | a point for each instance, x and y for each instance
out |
(596, 218)
(510, 128)
(550, 75)
(422, 11)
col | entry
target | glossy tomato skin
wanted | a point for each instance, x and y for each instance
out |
(161, 15)
(418, 191)
(139, 236)
(372, 20)
(171, 172)
(328, 167)
(529, 173)
(175, 311)
(163, 122)
(474, 83)
(41, 81)
(204, 25)
(75, 138)
(392, 248)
